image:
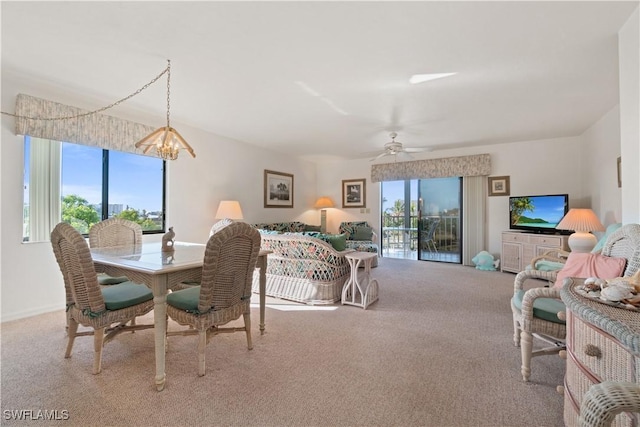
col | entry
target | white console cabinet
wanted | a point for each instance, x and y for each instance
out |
(518, 248)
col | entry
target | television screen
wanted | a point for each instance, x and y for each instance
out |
(537, 213)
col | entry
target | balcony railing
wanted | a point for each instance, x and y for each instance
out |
(396, 237)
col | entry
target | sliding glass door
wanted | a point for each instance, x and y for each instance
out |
(421, 219)
(439, 219)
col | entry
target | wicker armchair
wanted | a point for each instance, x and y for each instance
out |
(91, 305)
(604, 401)
(225, 290)
(539, 311)
(114, 232)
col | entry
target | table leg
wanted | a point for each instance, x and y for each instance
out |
(160, 327)
(262, 260)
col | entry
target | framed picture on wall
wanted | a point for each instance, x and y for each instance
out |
(354, 193)
(278, 189)
(499, 186)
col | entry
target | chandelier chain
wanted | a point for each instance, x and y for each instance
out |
(99, 110)
(168, 70)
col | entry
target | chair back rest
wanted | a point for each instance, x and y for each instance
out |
(625, 243)
(229, 260)
(115, 232)
(430, 227)
(75, 262)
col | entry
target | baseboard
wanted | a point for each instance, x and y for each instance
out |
(7, 317)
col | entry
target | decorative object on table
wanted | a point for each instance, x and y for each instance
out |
(229, 209)
(166, 140)
(167, 255)
(167, 240)
(354, 193)
(499, 186)
(323, 203)
(485, 261)
(582, 221)
(278, 189)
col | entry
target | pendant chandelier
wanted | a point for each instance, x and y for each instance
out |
(166, 140)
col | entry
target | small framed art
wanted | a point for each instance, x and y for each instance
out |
(278, 189)
(499, 186)
(354, 193)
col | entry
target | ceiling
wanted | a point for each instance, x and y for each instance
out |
(328, 80)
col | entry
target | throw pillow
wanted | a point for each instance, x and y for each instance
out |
(338, 241)
(362, 232)
(610, 229)
(583, 265)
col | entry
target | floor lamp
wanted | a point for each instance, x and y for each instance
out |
(582, 221)
(323, 203)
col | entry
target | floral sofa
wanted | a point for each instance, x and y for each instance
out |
(302, 268)
(360, 237)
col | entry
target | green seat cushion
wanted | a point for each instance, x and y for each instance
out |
(185, 299)
(543, 308)
(125, 295)
(105, 279)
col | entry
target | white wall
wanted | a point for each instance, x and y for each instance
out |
(629, 52)
(30, 281)
(600, 172)
(535, 167)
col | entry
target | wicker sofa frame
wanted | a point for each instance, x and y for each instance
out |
(303, 269)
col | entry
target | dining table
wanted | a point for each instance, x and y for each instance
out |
(161, 270)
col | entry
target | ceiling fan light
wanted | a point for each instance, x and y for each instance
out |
(421, 78)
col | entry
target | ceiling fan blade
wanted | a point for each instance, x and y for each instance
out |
(416, 149)
(404, 155)
(379, 156)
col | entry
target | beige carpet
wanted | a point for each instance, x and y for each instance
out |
(435, 350)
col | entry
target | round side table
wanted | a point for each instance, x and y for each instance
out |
(360, 293)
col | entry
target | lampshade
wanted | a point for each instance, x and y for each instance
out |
(582, 221)
(229, 209)
(166, 140)
(324, 202)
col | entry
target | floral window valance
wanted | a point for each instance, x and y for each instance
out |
(475, 165)
(96, 130)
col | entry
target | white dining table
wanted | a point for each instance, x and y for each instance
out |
(160, 271)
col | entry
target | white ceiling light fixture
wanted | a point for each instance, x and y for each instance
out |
(421, 78)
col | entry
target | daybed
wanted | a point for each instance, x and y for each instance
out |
(303, 268)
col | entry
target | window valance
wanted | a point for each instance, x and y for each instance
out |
(97, 130)
(474, 165)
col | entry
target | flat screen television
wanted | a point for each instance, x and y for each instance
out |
(537, 214)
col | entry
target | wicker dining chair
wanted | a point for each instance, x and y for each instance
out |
(537, 311)
(114, 232)
(224, 293)
(90, 305)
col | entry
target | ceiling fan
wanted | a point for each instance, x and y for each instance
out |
(393, 148)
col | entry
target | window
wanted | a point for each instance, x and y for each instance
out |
(82, 185)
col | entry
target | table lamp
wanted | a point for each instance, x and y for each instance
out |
(582, 221)
(229, 209)
(323, 203)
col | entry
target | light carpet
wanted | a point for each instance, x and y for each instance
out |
(435, 350)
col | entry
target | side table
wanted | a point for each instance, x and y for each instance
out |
(361, 294)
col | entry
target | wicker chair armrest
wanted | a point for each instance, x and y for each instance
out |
(532, 294)
(554, 255)
(523, 276)
(606, 400)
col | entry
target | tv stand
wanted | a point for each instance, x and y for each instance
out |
(519, 248)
